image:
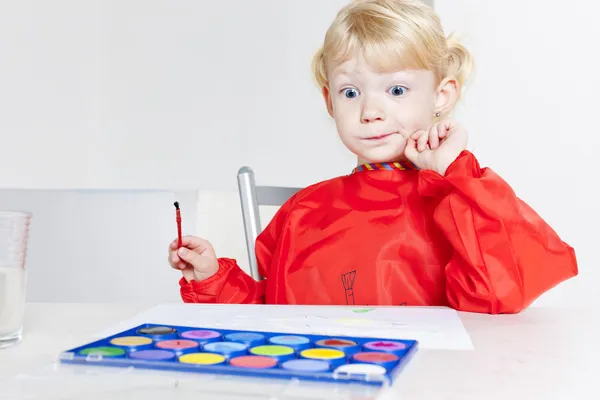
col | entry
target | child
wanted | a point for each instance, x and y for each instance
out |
(418, 222)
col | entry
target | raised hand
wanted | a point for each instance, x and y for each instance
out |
(437, 147)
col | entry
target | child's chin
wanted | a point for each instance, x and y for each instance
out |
(383, 156)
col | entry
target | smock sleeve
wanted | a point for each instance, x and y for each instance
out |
(504, 254)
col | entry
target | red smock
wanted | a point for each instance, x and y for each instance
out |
(394, 235)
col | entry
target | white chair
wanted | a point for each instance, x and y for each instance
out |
(251, 197)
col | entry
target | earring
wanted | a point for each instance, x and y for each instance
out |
(437, 114)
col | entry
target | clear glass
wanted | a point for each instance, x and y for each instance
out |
(14, 237)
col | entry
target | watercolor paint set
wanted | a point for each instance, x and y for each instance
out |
(363, 360)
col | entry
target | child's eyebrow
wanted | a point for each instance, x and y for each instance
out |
(341, 78)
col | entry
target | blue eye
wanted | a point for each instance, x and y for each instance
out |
(397, 90)
(350, 93)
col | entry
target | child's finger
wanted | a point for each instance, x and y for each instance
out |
(434, 140)
(422, 142)
(410, 151)
(197, 261)
(175, 262)
(417, 134)
(442, 131)
(195, 243)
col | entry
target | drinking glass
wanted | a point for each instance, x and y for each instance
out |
(14, 236)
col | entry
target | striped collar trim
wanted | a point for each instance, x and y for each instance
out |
(386, 166)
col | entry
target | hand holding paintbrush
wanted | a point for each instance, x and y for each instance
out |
(193, 256)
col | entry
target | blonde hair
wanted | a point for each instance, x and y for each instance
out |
(393, 35)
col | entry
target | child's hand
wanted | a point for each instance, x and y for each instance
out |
(437, 147)
(196, 258)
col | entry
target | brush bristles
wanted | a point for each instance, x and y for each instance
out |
(176, 205)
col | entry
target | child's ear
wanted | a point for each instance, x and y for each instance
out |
(447, 95)
(327, 98)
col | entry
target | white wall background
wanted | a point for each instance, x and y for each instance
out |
(531, 111)
(162, 94)
(176, 96)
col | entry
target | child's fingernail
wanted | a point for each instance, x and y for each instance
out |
(182, 251)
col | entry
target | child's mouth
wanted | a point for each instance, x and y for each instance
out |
(379, 137)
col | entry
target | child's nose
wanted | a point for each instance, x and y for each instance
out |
(371, 113)
(371, 116)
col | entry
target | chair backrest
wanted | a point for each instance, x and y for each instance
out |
(251, 197)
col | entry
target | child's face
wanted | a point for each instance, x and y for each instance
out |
(376, 112)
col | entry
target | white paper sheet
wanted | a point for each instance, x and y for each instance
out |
(434, 328)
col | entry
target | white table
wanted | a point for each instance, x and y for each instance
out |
(538, 354)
